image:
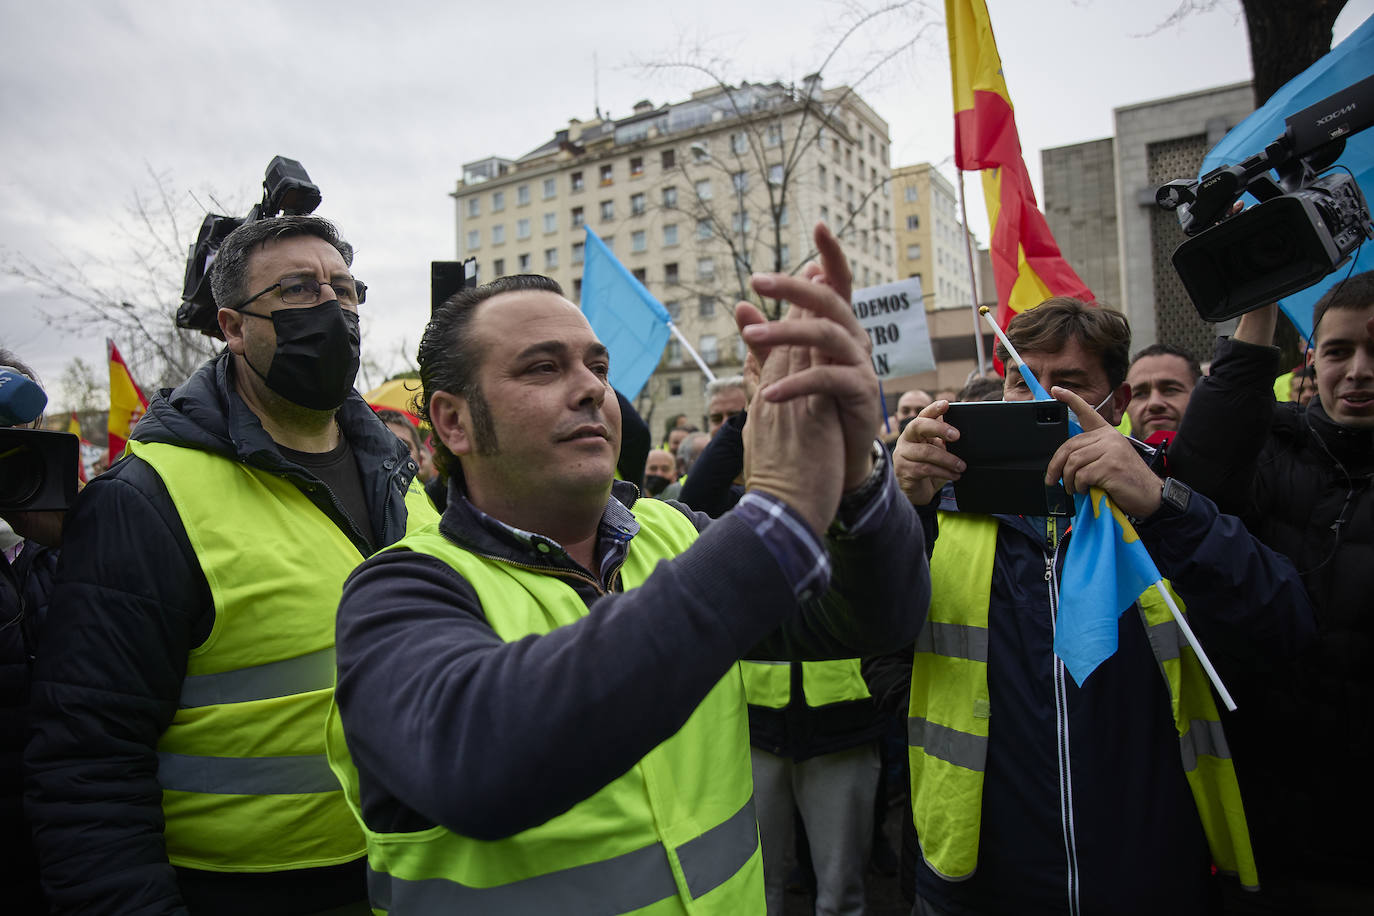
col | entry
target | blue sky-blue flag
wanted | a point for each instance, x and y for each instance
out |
(1349, 62)
(624, 315)
(1105, 570)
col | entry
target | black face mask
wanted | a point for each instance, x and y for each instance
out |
(316, 358)
(656, 484)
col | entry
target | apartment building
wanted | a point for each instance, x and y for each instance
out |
(692, 197)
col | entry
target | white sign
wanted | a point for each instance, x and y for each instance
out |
(895, 319)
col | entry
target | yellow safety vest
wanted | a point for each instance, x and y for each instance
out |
(245, 783)
(676, 834)
(947, 731)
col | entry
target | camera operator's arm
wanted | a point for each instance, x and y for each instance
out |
(1229, 414)
(111, 659)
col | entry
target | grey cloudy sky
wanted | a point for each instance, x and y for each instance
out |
(384, 100)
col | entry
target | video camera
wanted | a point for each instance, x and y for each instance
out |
(286, 190)
(38, 467)
(1305, 225)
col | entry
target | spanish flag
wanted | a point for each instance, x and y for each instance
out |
(1026, 262)
(127, 402)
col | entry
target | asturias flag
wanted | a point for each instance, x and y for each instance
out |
(127, 402)
(1026, 261)
(625, 316)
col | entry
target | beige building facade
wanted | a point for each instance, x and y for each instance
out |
(692, 197)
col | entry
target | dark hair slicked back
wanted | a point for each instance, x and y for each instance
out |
(1048, 327)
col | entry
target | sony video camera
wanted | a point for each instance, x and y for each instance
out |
(286, 190)
(1305, 225)
(38, 467)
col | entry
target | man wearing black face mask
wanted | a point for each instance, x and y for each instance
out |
(177, 758)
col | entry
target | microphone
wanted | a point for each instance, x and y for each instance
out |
(21, 399)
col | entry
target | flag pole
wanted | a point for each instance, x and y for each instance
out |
(972, 279)
(710, 376)
(1159, 583)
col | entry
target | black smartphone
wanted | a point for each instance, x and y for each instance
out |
(1007, 446)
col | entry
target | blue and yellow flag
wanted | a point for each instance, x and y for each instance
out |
(625, 316)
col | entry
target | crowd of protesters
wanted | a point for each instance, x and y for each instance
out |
(297, 654)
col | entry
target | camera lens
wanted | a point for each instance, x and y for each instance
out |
(22, 472)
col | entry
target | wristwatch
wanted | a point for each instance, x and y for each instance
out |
(1176, 494)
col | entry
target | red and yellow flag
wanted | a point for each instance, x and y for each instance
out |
(1026, 261)
(127, 402)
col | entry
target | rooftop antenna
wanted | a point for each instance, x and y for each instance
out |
(596, 86)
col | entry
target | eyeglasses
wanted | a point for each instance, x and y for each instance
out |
(307, 291)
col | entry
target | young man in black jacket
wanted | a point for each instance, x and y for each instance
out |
(1300, 477)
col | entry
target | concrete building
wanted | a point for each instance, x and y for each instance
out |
(1092, 208)
(692, 197)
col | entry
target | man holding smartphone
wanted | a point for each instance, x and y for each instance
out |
(1075, 799)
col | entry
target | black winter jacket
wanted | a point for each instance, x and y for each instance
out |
(129, 604)
(1304, 734)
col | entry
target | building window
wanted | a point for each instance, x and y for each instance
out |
(825, 213)
(775, 173)
(739, 143)
(773, 137)
(607, 176)
(849, 158)
(839, 188)
(669, 159)
(524, 263)
(578, 218)
(674, 309)
(670, 198)
(609, 242)
(703, 228)
(740, 221)
(703, 189)
(498, 201)
(783, 215)
(498, 267)
(639, 240)
(913, 252)
(578, 251)
(706, 307)
(498, 233)
(474, 239)
(522, 229)
(550, 187)
(636, 204)
(607, 210)
(675, 387)
(740, 180)
(550, 222)
(710, 354)
(474, 207)
(911, 194)
(706, 270)
(575, 180)
(636, 166)
(673, 353)
(822, 174)
(577, 289)
(522, 195)
(550, 258)
(670, 234)
(785, 256)
(670, 273)
(913, 221)
(640, 274)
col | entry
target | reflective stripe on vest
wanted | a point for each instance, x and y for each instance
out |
(675, 833)
(769, 683)
(246, 784)
(950, 711)
(626, 882)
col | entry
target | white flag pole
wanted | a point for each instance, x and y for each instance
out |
(972, 279)
(1159, 585)
(710, 376)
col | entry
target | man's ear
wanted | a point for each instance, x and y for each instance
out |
(1311, 356)
(1121, 397)
(448, 415)
(231, 326)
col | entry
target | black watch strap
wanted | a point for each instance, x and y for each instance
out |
(1176, 494)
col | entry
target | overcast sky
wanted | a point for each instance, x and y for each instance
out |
(383, 102)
